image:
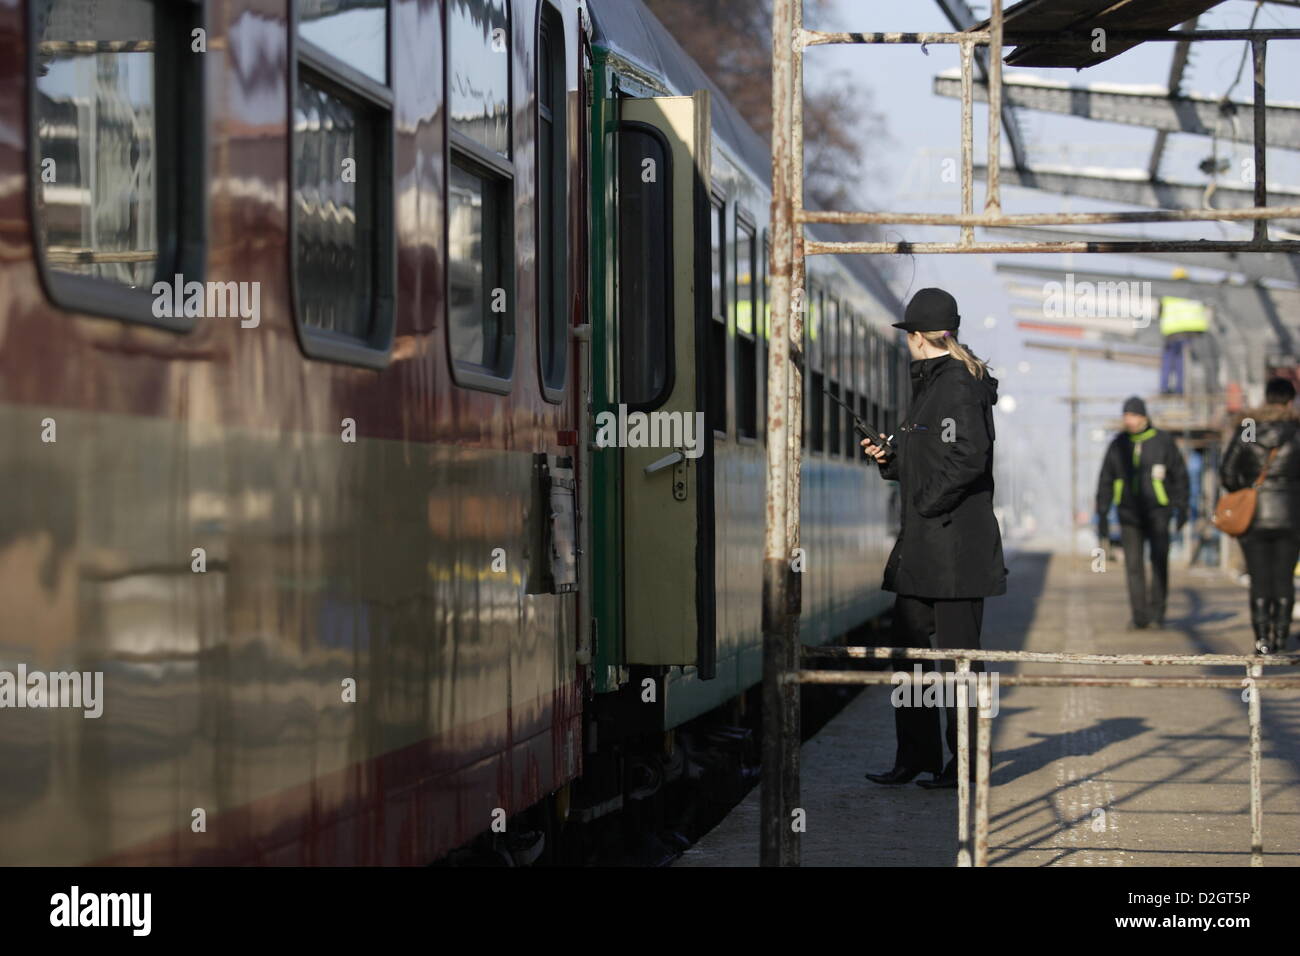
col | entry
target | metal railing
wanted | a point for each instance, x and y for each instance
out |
(1252, 683)
(781, 584)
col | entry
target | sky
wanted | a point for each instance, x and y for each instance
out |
(1032, 418)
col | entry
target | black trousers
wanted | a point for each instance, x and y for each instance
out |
(953, 624)
(1153, 529)
(1270, 561)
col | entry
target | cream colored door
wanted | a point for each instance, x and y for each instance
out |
(668, 482)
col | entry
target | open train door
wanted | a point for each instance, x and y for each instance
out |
(664, 152)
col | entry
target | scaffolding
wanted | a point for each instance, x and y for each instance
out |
(782, 655)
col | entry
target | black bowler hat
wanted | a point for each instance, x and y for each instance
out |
(931, 310)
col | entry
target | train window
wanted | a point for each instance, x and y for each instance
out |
(552, 203)
(890, 380)
(863, 358)
(864, 412)
(881, 368)
(766, 318)
(645, 277)
(833, 408)
(845, 436)
(812, 396)
(812, 322)
(480, 196)
(846, 348)
(334, 217)
(896, 367)
(854, 332)
(861, 380)
(830, 329)
(479, 91)
(341, 227)
(353, 32)
(816, 402)
(831, 362)
(873, 378)
(117, 196)
(746, 289)
(717, 364)
(480, 326)
(717, 223)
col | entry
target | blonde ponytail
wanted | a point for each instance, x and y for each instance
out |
(948, 340)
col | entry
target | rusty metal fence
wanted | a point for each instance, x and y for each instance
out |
(782, 674)
(1250, 684)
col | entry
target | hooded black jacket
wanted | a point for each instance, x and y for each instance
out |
(949, 545)
(1147, 488)
(1277, 504)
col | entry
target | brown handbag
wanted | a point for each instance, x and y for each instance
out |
(1236, 509)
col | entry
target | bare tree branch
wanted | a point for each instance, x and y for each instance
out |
(732, 42)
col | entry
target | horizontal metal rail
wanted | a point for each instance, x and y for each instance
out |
(1047, 657)
(1056, 680)
(1207, 214)
(808, 38)
(814, 248)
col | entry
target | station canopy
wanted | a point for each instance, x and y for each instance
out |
(1027, 23)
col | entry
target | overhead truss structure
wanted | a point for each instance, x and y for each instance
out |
(1172, 202)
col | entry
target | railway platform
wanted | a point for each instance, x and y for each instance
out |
(1080, 776)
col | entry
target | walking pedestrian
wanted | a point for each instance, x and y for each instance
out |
(1268, 441)
(1144, 476)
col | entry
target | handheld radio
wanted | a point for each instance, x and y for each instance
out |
(875, 436)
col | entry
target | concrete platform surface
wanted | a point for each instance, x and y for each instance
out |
(1080, 776)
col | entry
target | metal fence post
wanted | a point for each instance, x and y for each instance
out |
(984, 731)
(1254, 672)
(963, 764)
(1258, 49)
(791, 717)
(776, 551)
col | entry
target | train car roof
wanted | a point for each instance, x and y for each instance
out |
(629, 28)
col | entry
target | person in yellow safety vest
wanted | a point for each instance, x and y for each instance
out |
(1181, 320)
(1144, 476)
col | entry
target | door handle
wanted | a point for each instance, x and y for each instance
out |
(667, 461)
(677, 462)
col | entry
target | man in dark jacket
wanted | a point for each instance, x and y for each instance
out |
(1143, 475)
(948, 557)
(1269, 437)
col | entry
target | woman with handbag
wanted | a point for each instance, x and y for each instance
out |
(1264, 458)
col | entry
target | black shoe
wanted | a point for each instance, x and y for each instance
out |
(1137, 625)
(899, 775)
(948, 779)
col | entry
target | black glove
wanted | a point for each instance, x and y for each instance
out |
(1178, 524)
(1103, 529)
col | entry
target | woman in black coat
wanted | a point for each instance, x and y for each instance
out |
(1272, 543)
(948, 557)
